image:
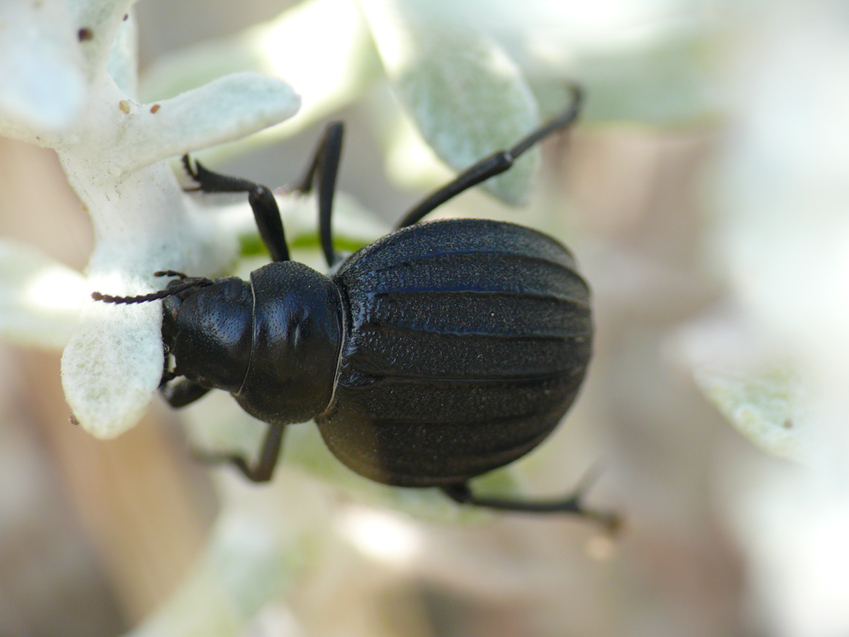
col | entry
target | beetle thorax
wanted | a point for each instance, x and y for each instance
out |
(297, 338)
(273, 342)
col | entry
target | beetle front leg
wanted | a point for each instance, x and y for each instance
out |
(263, 204)
(264, 468)
(572, 504)
(182, 392)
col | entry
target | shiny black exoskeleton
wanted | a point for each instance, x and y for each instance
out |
(440, 352)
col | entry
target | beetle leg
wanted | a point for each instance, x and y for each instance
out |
(264, 468)
(182, 392)
(495, 164)
(462, 494)
(263, 204)
(323, 170)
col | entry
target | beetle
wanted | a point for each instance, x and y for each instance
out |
(441, 351)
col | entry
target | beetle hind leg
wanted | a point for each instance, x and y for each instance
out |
(494, 164)
(182, 392)
(572, 504)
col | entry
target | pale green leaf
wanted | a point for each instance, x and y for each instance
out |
(765, 406)
(466, 96)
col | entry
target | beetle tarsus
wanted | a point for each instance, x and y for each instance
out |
(572, 504)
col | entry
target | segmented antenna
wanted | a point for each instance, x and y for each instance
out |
(191, 172)
(190, 282)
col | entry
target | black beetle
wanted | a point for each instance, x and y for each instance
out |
(437, 353)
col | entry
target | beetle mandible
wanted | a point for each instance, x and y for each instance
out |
(439, 352)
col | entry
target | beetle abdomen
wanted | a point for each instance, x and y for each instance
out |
(468, 341)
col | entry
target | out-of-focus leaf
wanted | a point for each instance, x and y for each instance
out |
(321, 47)
(765, 407)
(42, 75)
(40, 298)
(466, 96)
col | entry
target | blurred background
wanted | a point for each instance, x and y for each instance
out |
(97, 535)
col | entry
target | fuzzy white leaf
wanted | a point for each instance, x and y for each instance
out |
(226, 109)
(114, 361)
(101, 19)
(322, 47)
(112, 366)
(41, 69)
(123, 59)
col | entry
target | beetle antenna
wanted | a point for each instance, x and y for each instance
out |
(191, 172)
(154, 296)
